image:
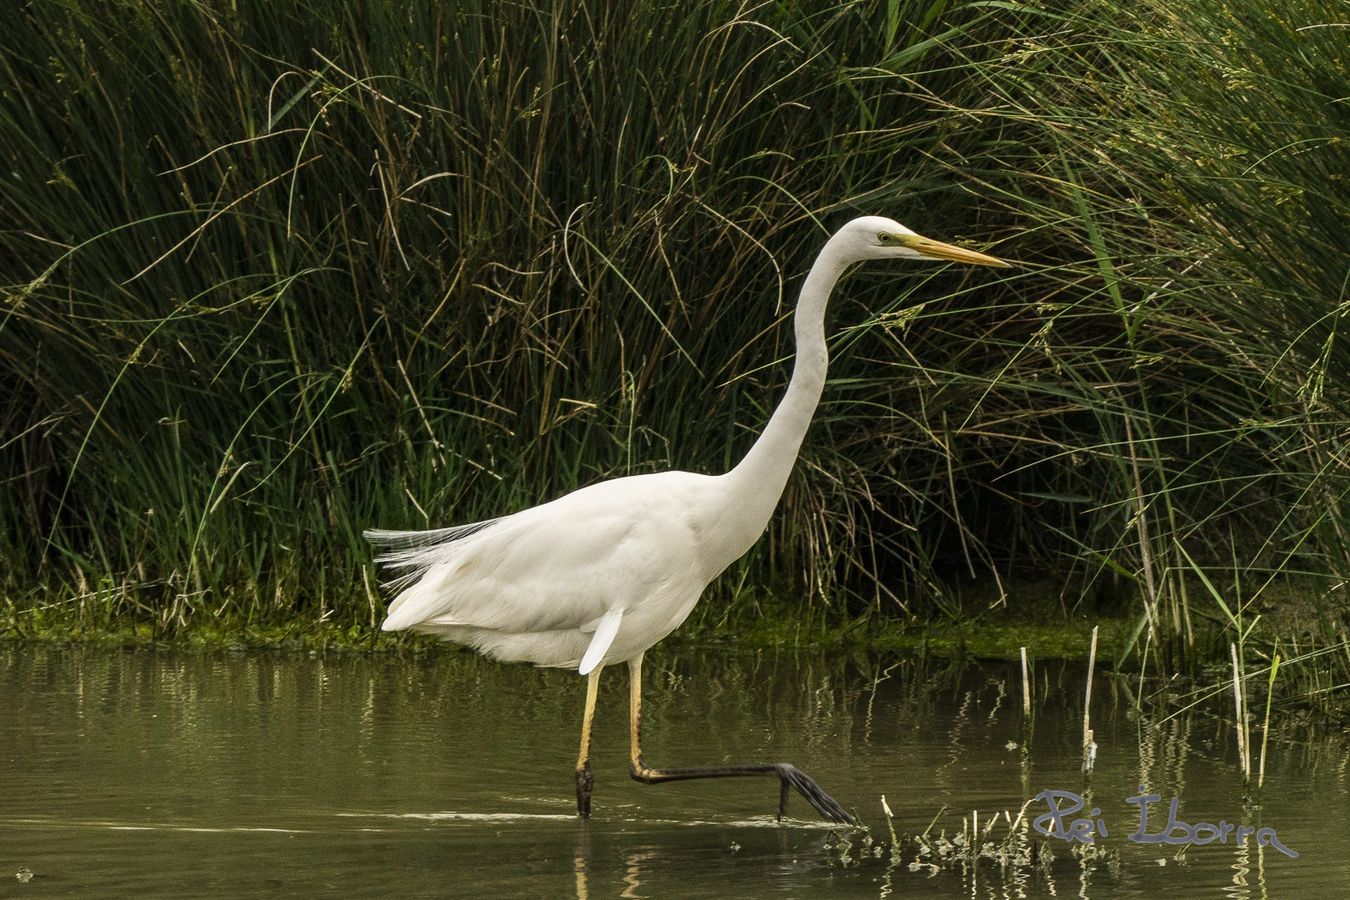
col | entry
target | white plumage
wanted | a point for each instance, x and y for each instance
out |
(601, 574)
(539, 585)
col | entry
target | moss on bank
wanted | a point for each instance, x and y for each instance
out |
(1066, 640)
(1033, 615)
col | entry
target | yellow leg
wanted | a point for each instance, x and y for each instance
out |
(635, 716)
(584, 778)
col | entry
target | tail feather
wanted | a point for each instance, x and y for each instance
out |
(411, 553)
(417, 603)
(401, 543)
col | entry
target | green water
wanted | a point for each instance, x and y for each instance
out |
(169, 773)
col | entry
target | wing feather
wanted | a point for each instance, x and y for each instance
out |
(604, 636)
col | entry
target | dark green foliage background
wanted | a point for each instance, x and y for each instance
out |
(275, 272)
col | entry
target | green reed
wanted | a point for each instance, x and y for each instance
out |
(277, 272)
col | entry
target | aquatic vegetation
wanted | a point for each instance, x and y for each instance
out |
(272, 276)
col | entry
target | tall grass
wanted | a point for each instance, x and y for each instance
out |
(276, 272)
(1206, 178)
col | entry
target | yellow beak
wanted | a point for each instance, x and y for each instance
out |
(938, 250)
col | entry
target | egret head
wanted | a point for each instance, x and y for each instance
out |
(877, 237)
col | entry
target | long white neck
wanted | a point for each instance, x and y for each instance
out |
(753, 487)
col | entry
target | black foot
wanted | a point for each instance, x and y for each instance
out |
(584, 783)
(820, 801)
(790, 777)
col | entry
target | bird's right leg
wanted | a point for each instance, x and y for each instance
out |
(584, 778)
(789, 776)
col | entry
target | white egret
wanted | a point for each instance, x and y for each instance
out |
(601, 574)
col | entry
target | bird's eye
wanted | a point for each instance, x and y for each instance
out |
(884, 237)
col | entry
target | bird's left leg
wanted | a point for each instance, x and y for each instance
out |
(584, 778)
(789, 776)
